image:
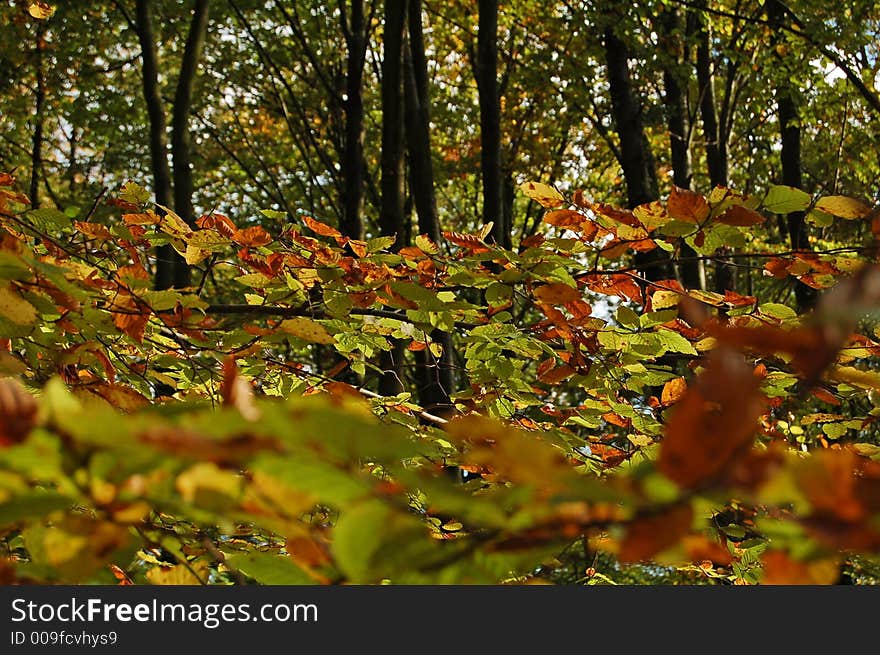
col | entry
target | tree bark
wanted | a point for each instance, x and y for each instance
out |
(165, 255)
(392, 211)
(355, 30)
(675, 101)
(635, 153)
(180, 138)
(435, 376)
(715, 136)
(486, 69)
(790, 158)
(39, 119)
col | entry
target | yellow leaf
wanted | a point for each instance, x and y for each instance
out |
(40, 10)
(194, 255)
(843, 207)
(307, 330)
(173, 224)
(15, 308)
(425, 244)
(179, 574)
(544, 194)
(664, 299)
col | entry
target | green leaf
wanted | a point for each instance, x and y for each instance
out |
(782, 199)
(269, 569)
(31, 505)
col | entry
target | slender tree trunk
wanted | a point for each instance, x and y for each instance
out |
(180, 138)
(355, 30)
(39, 119)
(790, 136)
(635, 153)
(675, 100)
(165, 255)
(486, 69)
(435, 376)
(392, 211)
(715, 137)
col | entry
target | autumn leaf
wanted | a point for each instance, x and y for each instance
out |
(252, 237)
(15, 308)
(673, 391)
(740, 216)
(648, 535)
(424, 243)
(306, 329)
(713, 423)
(18, 412)
(321, 228)
(40, 10)
(557, 294)
(687, 206)
(843, 207)
(543, 194)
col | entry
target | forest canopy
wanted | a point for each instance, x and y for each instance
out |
(422, 292)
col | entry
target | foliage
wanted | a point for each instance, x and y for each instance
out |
(204, 435)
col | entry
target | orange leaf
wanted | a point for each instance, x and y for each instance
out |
(557, 294)
(687, 206)
(566, 218)
(252, 236)
(714, 422)
(148, 218)
(740, 216)
(217, 222)
(781, 569)
(673, 391)
(18, 412)
(321, 228)
(645, 537)
(93, 230)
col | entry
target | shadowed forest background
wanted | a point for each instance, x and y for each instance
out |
(439, 292)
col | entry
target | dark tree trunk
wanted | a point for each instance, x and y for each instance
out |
(392, 211)
(675, 100)
(486, 69)
(165, 255)
(435, 376)
(635, 154)
(790, 136)
(180, 138)
(715, 137)
(355, 30)
(39, 118)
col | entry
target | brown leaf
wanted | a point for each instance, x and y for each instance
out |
(687, 206)
(93, 230)
(740, 216)
(218, 222)
(649, 535)
(565, 218)
(714, 422)
(236, 392)
(18, 412)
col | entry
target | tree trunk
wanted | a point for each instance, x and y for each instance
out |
(39, 118)
(715, 137)
(355, 30)
(392, 211)
(165, 255)
(635, 154)
(435, 376)
(675, 101)
(486, 69)
(790, 136)
(180, 139)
